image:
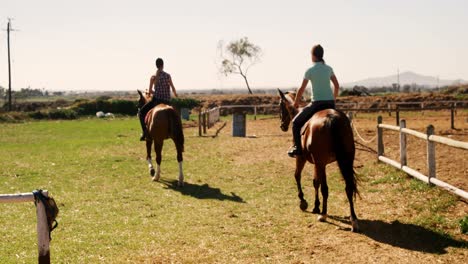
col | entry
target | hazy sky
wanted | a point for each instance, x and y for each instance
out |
(112, 45)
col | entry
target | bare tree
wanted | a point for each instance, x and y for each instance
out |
(239, 57)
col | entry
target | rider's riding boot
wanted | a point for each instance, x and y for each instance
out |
(143, 129)
(296, 150)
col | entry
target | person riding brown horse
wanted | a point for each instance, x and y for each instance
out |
(326, 137)
(162, 82)
(322, 96)
(162, 122)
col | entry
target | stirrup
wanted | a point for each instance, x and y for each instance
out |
(294, 152)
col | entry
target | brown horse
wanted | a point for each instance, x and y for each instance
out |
(326, 137)
(162, 122)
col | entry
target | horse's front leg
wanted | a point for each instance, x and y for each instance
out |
(158, 149)
(148, 156)
(300, 162)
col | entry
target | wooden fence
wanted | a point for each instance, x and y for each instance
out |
(431, 157)
(207, 119)
(398, 107)
(43, 238)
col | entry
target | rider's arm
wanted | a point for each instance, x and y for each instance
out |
(151, 84)
(336, 85)
(173, 88)
(300, 92)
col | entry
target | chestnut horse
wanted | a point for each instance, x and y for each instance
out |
(326, 137)
(162, 122)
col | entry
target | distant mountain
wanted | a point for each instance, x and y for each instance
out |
(407, 77)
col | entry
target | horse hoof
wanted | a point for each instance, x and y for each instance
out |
(303, 205)
(152, 172)
(354, 226)
(316, 211)
(155, 178)
(180, 184)
(322, 218)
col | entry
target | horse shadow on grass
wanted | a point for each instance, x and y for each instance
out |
(406, 236)
(203, 191)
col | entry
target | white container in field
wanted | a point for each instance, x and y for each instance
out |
(100, 114)
(238, 124)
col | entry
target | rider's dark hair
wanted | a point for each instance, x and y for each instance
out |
(159, 63)
(317, 51)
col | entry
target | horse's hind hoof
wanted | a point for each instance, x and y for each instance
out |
(316, 211)
(180, 184)
(354, 226)
(155, 179)
(303, 205)
(152, 172)
(322, 218)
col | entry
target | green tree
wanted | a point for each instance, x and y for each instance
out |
(238, 56)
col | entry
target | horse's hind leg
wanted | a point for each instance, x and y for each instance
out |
(349, 194)
(148, 156)
(158, 148)
(316, 182)
(300, 162)
(321, 176)
(180, 160)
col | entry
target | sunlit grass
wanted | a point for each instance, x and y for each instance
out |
(239, 203)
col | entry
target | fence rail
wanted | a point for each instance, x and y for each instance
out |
(207, 119)
(42, 226)
(431, 139)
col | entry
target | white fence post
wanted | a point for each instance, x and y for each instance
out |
(431, 159)
(43, 239)
(403, 159)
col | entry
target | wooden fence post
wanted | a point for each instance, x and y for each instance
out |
(389, 106)
(397, 115)
(255, 112)
(43, 238)
(431, 161)
(380, 145)
(200, 123)
(452, 116)
(403, 159)
(204, 122)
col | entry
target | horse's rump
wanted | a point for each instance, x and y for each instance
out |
(164, 121)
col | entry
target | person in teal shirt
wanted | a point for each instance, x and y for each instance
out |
(322, 96)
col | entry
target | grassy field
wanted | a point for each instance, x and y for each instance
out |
(239, 204)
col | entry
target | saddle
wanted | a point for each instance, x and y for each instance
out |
(306, 125)
(150, 112)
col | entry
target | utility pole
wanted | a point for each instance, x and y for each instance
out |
(9, 62)
(398, 78)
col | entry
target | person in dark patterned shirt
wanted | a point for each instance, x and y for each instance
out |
(162, 84)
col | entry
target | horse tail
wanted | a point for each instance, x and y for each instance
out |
(344, 149)
(175, 126)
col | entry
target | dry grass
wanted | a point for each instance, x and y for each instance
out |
(239, 204)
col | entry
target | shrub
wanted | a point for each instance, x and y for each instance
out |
(54, 114)
(184, 102)
(62, 114)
